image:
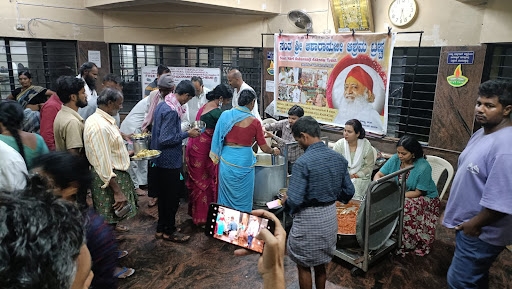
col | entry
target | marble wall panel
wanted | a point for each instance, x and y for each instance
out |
(453, 114)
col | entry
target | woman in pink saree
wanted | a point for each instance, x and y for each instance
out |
(202, 173)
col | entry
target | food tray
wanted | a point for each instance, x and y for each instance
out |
(147, 158)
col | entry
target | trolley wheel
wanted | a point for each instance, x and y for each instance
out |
(356, 272)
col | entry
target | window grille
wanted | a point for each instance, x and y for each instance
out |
(46, 60)
(123, 57)
(412, 113)
(498, 62)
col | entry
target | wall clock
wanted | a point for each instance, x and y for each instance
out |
(352, 14)
(402, 12)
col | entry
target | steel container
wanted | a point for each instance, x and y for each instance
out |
(140, 144)
(270, 177)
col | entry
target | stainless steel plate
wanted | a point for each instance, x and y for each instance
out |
(147, 158)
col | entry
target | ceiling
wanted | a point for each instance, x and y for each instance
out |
(172, 7)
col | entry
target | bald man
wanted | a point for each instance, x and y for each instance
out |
(357, 101)
(238, 84)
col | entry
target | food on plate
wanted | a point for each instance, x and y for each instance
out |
(146, 153)
(140, 135)
(347, 217)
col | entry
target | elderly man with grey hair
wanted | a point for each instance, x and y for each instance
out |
(112, 188)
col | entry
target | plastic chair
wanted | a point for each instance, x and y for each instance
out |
(438, 166)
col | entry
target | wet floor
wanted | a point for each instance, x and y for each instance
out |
(207, 263)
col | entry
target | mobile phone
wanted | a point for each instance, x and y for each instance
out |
(121, 213)
(236, 227)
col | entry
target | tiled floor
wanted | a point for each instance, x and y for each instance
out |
(207, 263)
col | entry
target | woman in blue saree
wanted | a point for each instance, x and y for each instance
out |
(234, 135)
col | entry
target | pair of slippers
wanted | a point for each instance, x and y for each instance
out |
(124, 273)
(176, 237)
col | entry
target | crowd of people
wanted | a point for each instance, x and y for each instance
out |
(80, 148)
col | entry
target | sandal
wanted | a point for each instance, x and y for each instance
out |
(124, 273)
(122, 254)
(176, 237)
(159, 235)
(122, 228)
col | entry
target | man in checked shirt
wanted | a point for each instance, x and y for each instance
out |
(285, 126)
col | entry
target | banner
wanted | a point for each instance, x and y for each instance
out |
(335, 78)
(210, 76)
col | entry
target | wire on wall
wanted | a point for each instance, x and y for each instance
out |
(47, 6)
(91, 26)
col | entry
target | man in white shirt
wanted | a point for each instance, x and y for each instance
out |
(138, 170)
(236, 81)
(196, 102)
(13, 169)
(89, 74)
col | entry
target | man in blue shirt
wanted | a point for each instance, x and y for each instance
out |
(167, 137)
(233, 229)
(320, 177)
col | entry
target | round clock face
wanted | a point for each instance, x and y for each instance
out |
(402, 12)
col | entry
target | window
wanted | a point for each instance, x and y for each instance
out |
(45, 60)
(411, 95)
(498, 62)
(123, 57)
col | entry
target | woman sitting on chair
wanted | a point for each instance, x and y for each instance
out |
(421, 208)
(358, 151)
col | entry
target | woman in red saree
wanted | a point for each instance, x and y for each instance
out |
(202, 173)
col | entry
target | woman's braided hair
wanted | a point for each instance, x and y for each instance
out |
(11, 117)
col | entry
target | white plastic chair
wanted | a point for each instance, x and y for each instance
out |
(438, 166)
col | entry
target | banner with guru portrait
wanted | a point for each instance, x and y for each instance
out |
(335, 77)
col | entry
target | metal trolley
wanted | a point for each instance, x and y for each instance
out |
(378, 216)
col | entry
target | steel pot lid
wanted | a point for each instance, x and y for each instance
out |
(384, 201)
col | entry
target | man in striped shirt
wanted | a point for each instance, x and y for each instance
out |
(112, 187)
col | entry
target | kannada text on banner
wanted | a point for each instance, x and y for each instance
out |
(334, 77)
